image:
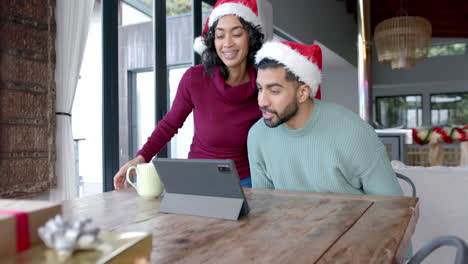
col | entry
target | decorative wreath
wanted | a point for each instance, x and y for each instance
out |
(447, 134)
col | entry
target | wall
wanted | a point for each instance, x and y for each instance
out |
(339, 83)
(444, 74)
(319, 20)
(27, 96)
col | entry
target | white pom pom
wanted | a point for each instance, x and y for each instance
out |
(199, 45)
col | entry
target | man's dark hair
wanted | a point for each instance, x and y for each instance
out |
(211, 59)
(267, 63)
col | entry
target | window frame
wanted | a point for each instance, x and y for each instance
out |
(132, 86)
(398, 95)
(169, 68)
(430, 104)
(132, 118)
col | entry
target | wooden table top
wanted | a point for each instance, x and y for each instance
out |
(282, 227)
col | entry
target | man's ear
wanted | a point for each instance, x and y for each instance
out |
(303, 92)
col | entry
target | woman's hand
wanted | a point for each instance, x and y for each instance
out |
(120, 179)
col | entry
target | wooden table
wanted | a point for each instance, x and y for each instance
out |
(282, 227)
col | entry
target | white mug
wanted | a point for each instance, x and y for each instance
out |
(148, 183)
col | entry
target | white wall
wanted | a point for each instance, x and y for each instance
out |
(326, 21)
(327, 24)
(340, 87)
(340, 82)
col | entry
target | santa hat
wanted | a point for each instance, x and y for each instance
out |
(246, 9)
(303, 61)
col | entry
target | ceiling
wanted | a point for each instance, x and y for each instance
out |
(449, 18)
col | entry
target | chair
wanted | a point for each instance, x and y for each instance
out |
(442, 199)
(462, 250)
(409, 181)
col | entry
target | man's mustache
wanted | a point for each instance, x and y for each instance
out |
(264, 109)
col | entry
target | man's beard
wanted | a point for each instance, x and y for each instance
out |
(289, 112)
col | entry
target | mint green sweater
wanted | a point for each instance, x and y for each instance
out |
(336, 151)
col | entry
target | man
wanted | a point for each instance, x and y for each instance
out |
(306, 144)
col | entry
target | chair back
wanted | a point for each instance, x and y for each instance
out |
(461, 255)
(409, 181)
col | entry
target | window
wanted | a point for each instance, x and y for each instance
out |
(131, 15)
(87, 111)
(449, 49)
(180, 144)
(143, 113)
(399, 111)
(449, 109)
(142, 108)
(137, 94)
(173, 7)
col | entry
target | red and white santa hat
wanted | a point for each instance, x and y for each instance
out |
(302, 60)
(246, 9)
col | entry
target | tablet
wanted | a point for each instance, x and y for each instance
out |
(201, 184)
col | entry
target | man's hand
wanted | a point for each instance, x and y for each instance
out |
(120, 180)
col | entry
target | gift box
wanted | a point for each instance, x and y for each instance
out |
(121, 247)
(19, 221)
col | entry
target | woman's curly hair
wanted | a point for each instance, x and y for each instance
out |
(210, 58)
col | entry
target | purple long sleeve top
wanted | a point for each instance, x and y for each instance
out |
(223, 115)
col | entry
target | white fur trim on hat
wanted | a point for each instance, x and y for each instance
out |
(307, 71)
(237, 9)
(199, 45)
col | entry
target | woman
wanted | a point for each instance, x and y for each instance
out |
(221, 92)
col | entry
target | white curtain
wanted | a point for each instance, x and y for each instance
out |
(73, 19)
